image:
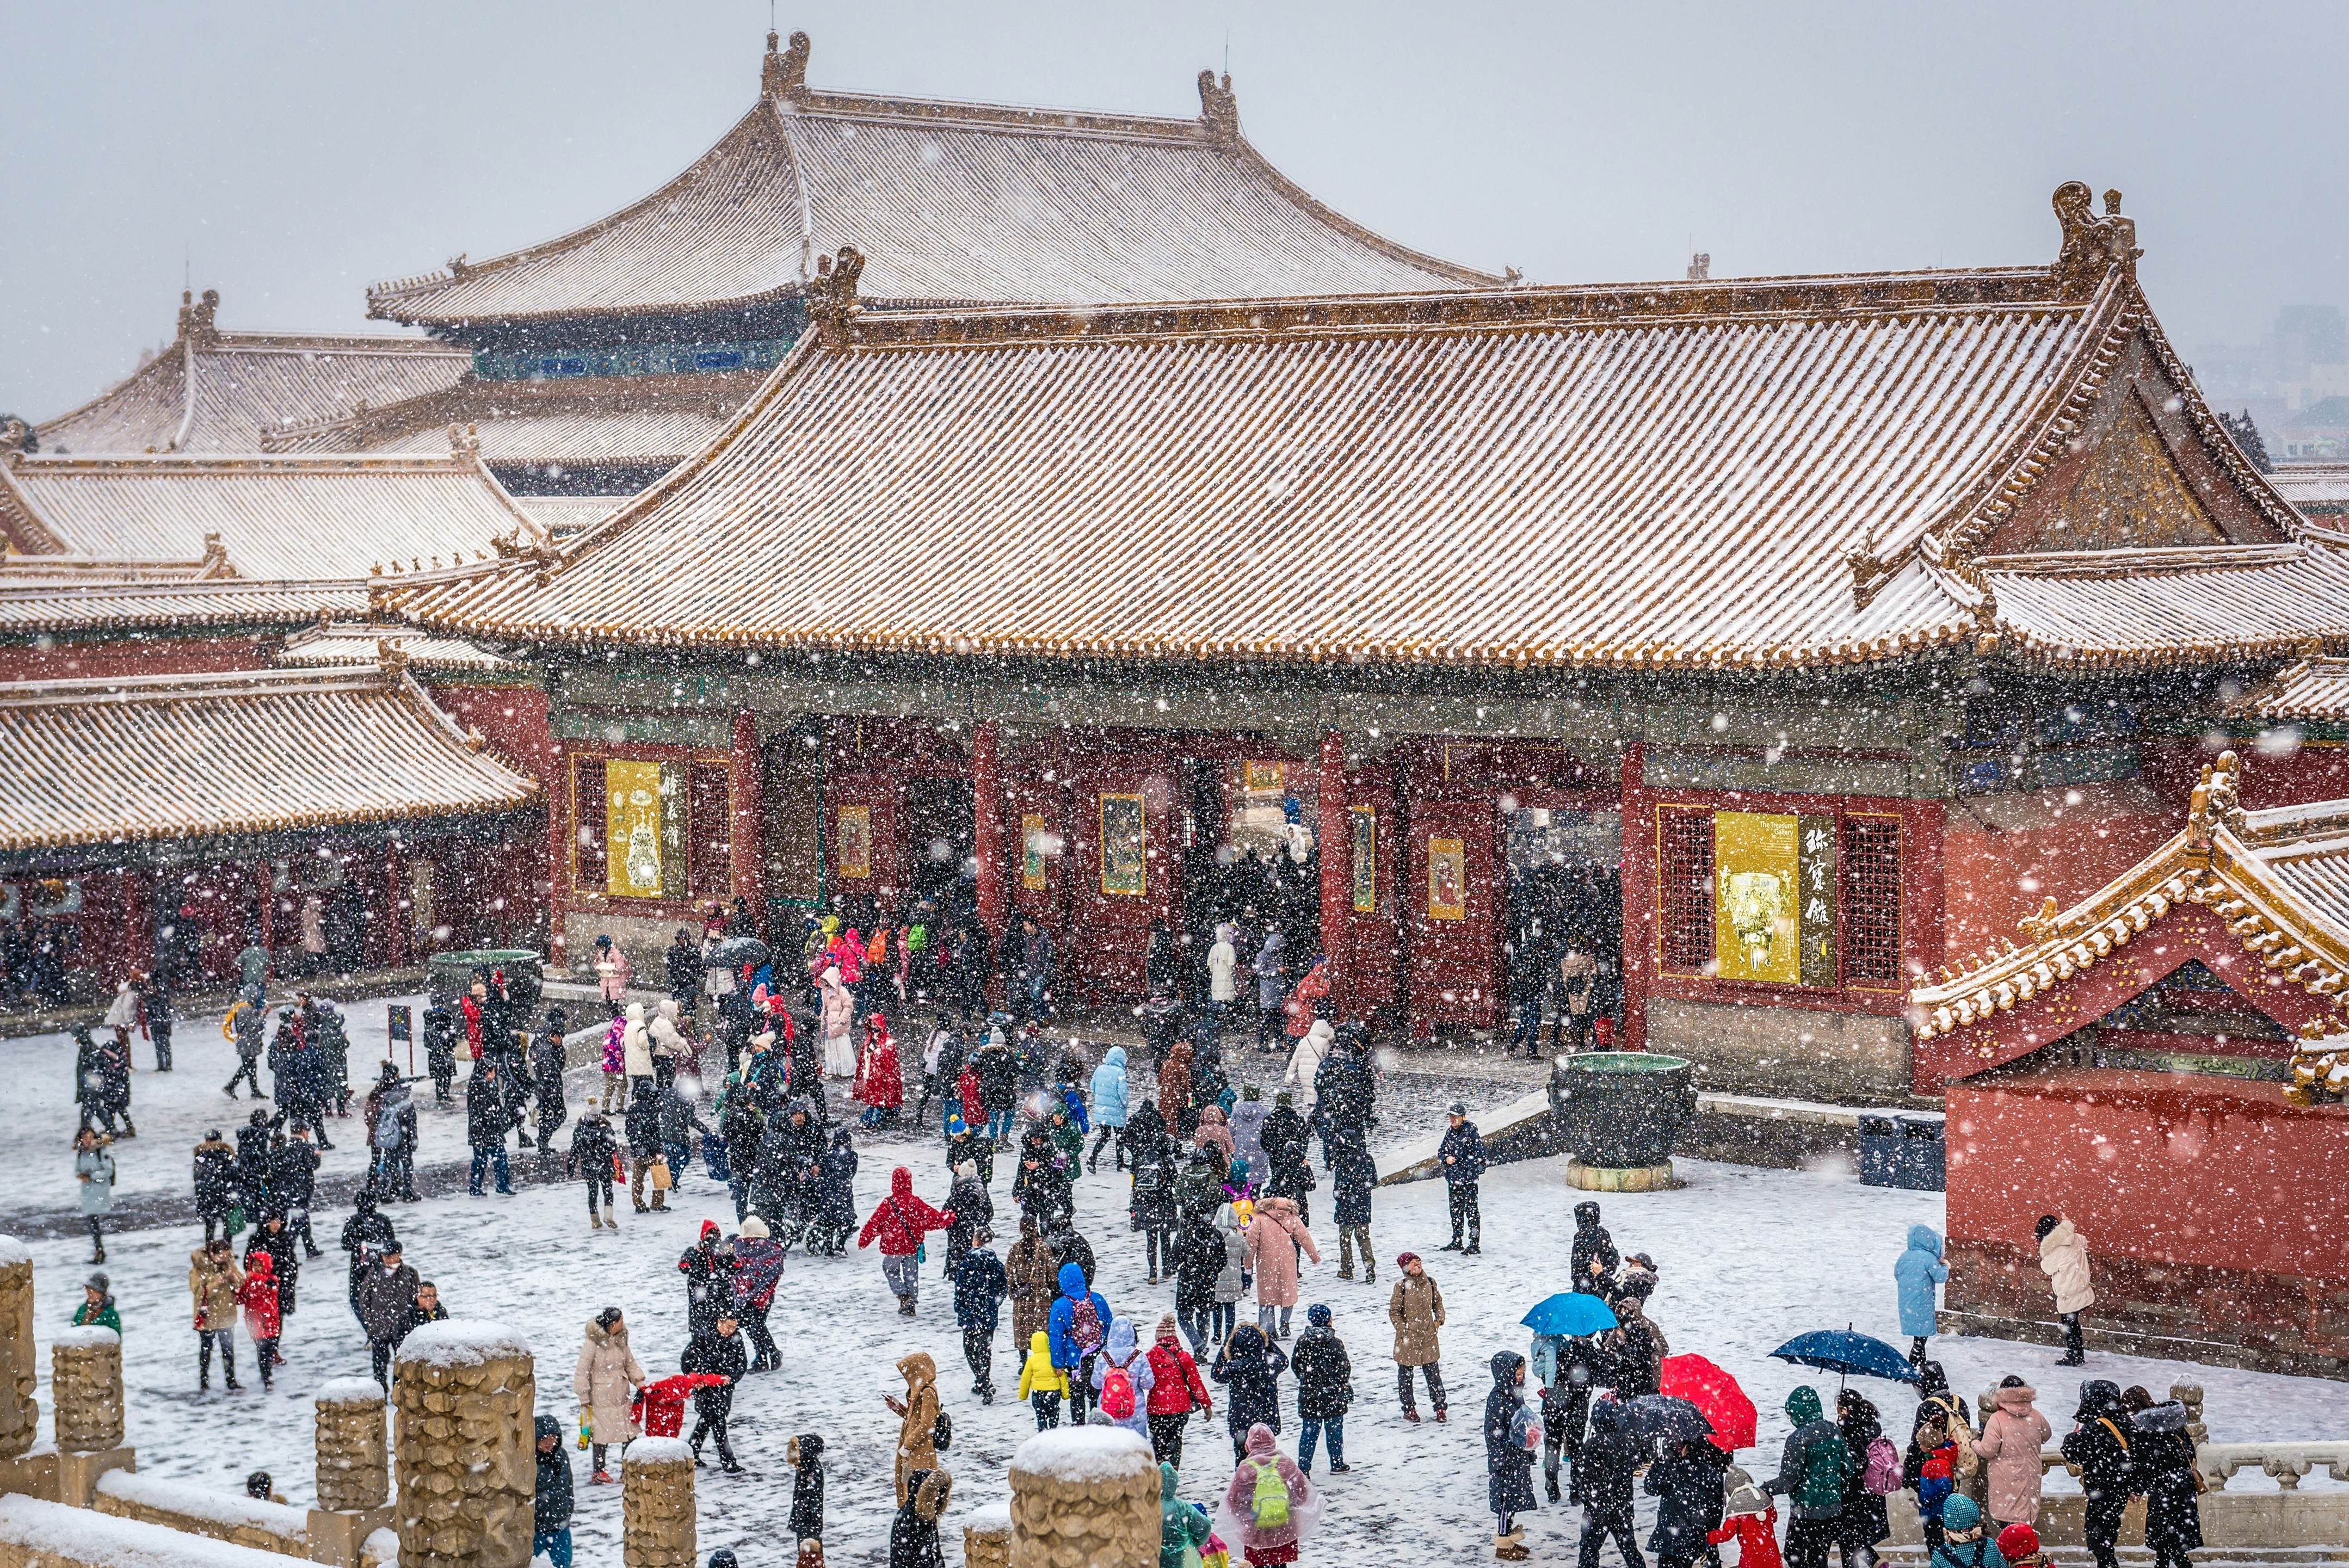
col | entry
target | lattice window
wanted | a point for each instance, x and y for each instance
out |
(588, 858)
(1685, 878)
(1871, 901)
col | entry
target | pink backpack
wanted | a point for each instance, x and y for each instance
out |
(1882, 1477)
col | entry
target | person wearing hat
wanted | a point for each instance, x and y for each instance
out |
(386, 1290)
(1415, 1308)
(1964, 1543)
(2019, 1544)
(1461, 1159)
(97, 1308)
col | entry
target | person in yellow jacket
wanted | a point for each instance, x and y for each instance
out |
(1041, 1384)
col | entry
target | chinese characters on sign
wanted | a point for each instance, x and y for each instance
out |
(1366, 859)
(1124, 847)
(853, 832)
(1819, 878)
(1448, 879)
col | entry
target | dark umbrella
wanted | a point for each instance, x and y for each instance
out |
(735, 951)
(1666, 1417)
(1848, 1354)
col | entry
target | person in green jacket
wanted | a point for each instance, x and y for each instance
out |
(1182, 1526)
(98, 1304)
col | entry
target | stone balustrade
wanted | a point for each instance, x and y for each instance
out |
(2287, 1462)
(1084, 1497)
(465, 1391)
(986, 1537)
(20, 1412)
(657, 1527)
(86, 1388)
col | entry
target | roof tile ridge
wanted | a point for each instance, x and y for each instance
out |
(1550, 305)
(160, 365)
(257, 340)
(980, 113)
(382, 294)
(2142, 558)
(20, 507)
(184, 685)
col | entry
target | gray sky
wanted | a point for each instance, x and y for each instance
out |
(298, 150)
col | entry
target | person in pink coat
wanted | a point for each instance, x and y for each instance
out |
(1273, 1237)
(2008, 1446)
(1263, 1545)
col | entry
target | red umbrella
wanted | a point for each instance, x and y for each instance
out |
(1716, 1393)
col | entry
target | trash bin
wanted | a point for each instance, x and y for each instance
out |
(1904, 1151)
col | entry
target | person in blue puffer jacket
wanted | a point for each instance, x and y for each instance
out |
(1917, 1271)
(1109, 1107)
(1077, 1329)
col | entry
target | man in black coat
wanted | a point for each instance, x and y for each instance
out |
(685, 972)
(718, 1351)
(707, 1266)
(547, 1061)
(216, 1183)
(485, 1125)
(1198, 1263)
(253, 1162)
(1595, 1258)
(1462, 1160)
(1325, 1387)
(365, 1234)
(292, 1184)
(550, 1520)
(1603, 1476)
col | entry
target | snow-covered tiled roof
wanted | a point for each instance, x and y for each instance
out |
(277, 517)
(183, 756)
(214, 391)
(2315, 689)
(957, 202)
(359, 643)
(2313, 487)
(1704, 474)
(574, 422)
(215, 604)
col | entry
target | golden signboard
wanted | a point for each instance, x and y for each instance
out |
(1261, 778)
(1366, 859)
(1757, 893)
(1124, 847)
(1448, 879)
(853, 833)
(632, 826)
(1031, 853)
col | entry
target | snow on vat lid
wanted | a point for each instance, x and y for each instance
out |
(13, 1251)
(658, 1451)
(1083, 1454)
(349, 1391)
(461, 1342)
(51, 1531)
(86, 1336)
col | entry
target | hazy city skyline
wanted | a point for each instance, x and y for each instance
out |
(288, 155)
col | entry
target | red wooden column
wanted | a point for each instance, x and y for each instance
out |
(987, 823)
(560, 848)
(1337, 845)
(268, 916)
(1638, 900)
(138, 922)
(749, 848)
(398, 914)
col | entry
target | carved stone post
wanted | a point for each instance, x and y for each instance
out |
(986, 1537)
(2191, 1396)
(20, 1413)
(354, 1465)
(465, 1391)
(657, 1523)
(1084, 1497)
(86, 1388)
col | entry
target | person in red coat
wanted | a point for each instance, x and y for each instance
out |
(1751, 1523)
(879, 1085)
(258, 1296)
(899, 1222)
(658, 1408)
(1176, 1390)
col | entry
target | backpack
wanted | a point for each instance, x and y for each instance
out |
(1882, 1477)
(1269, 1506)
(1825, 1464)
(1117, 1394)
(386, 1128)
(1085, 1325)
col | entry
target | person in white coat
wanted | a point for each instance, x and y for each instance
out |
(637, 1051)
(2064, 1259)
(1305, 1064)
(122, 1014)
(669, 1045)
(839, 1016)
(1222, 989)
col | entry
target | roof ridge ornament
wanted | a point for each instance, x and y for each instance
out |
(1218, 108)
(465, 443)
(784, 75)
(197, 317)
(2093, 245)
(2215, 802)
(831, 292)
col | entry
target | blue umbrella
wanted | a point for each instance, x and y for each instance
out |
(1570, 1312)
(1848, 1354)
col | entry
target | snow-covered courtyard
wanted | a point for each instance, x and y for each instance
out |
(1747, 1257)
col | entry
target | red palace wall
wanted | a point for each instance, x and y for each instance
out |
(2002, 854)
(103, 660)
(2212, 1209)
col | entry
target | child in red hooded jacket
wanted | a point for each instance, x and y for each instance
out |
(258, 1296)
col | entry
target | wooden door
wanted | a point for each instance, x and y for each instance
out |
(1123, 865)
(1368, 843)
(1453, 905)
